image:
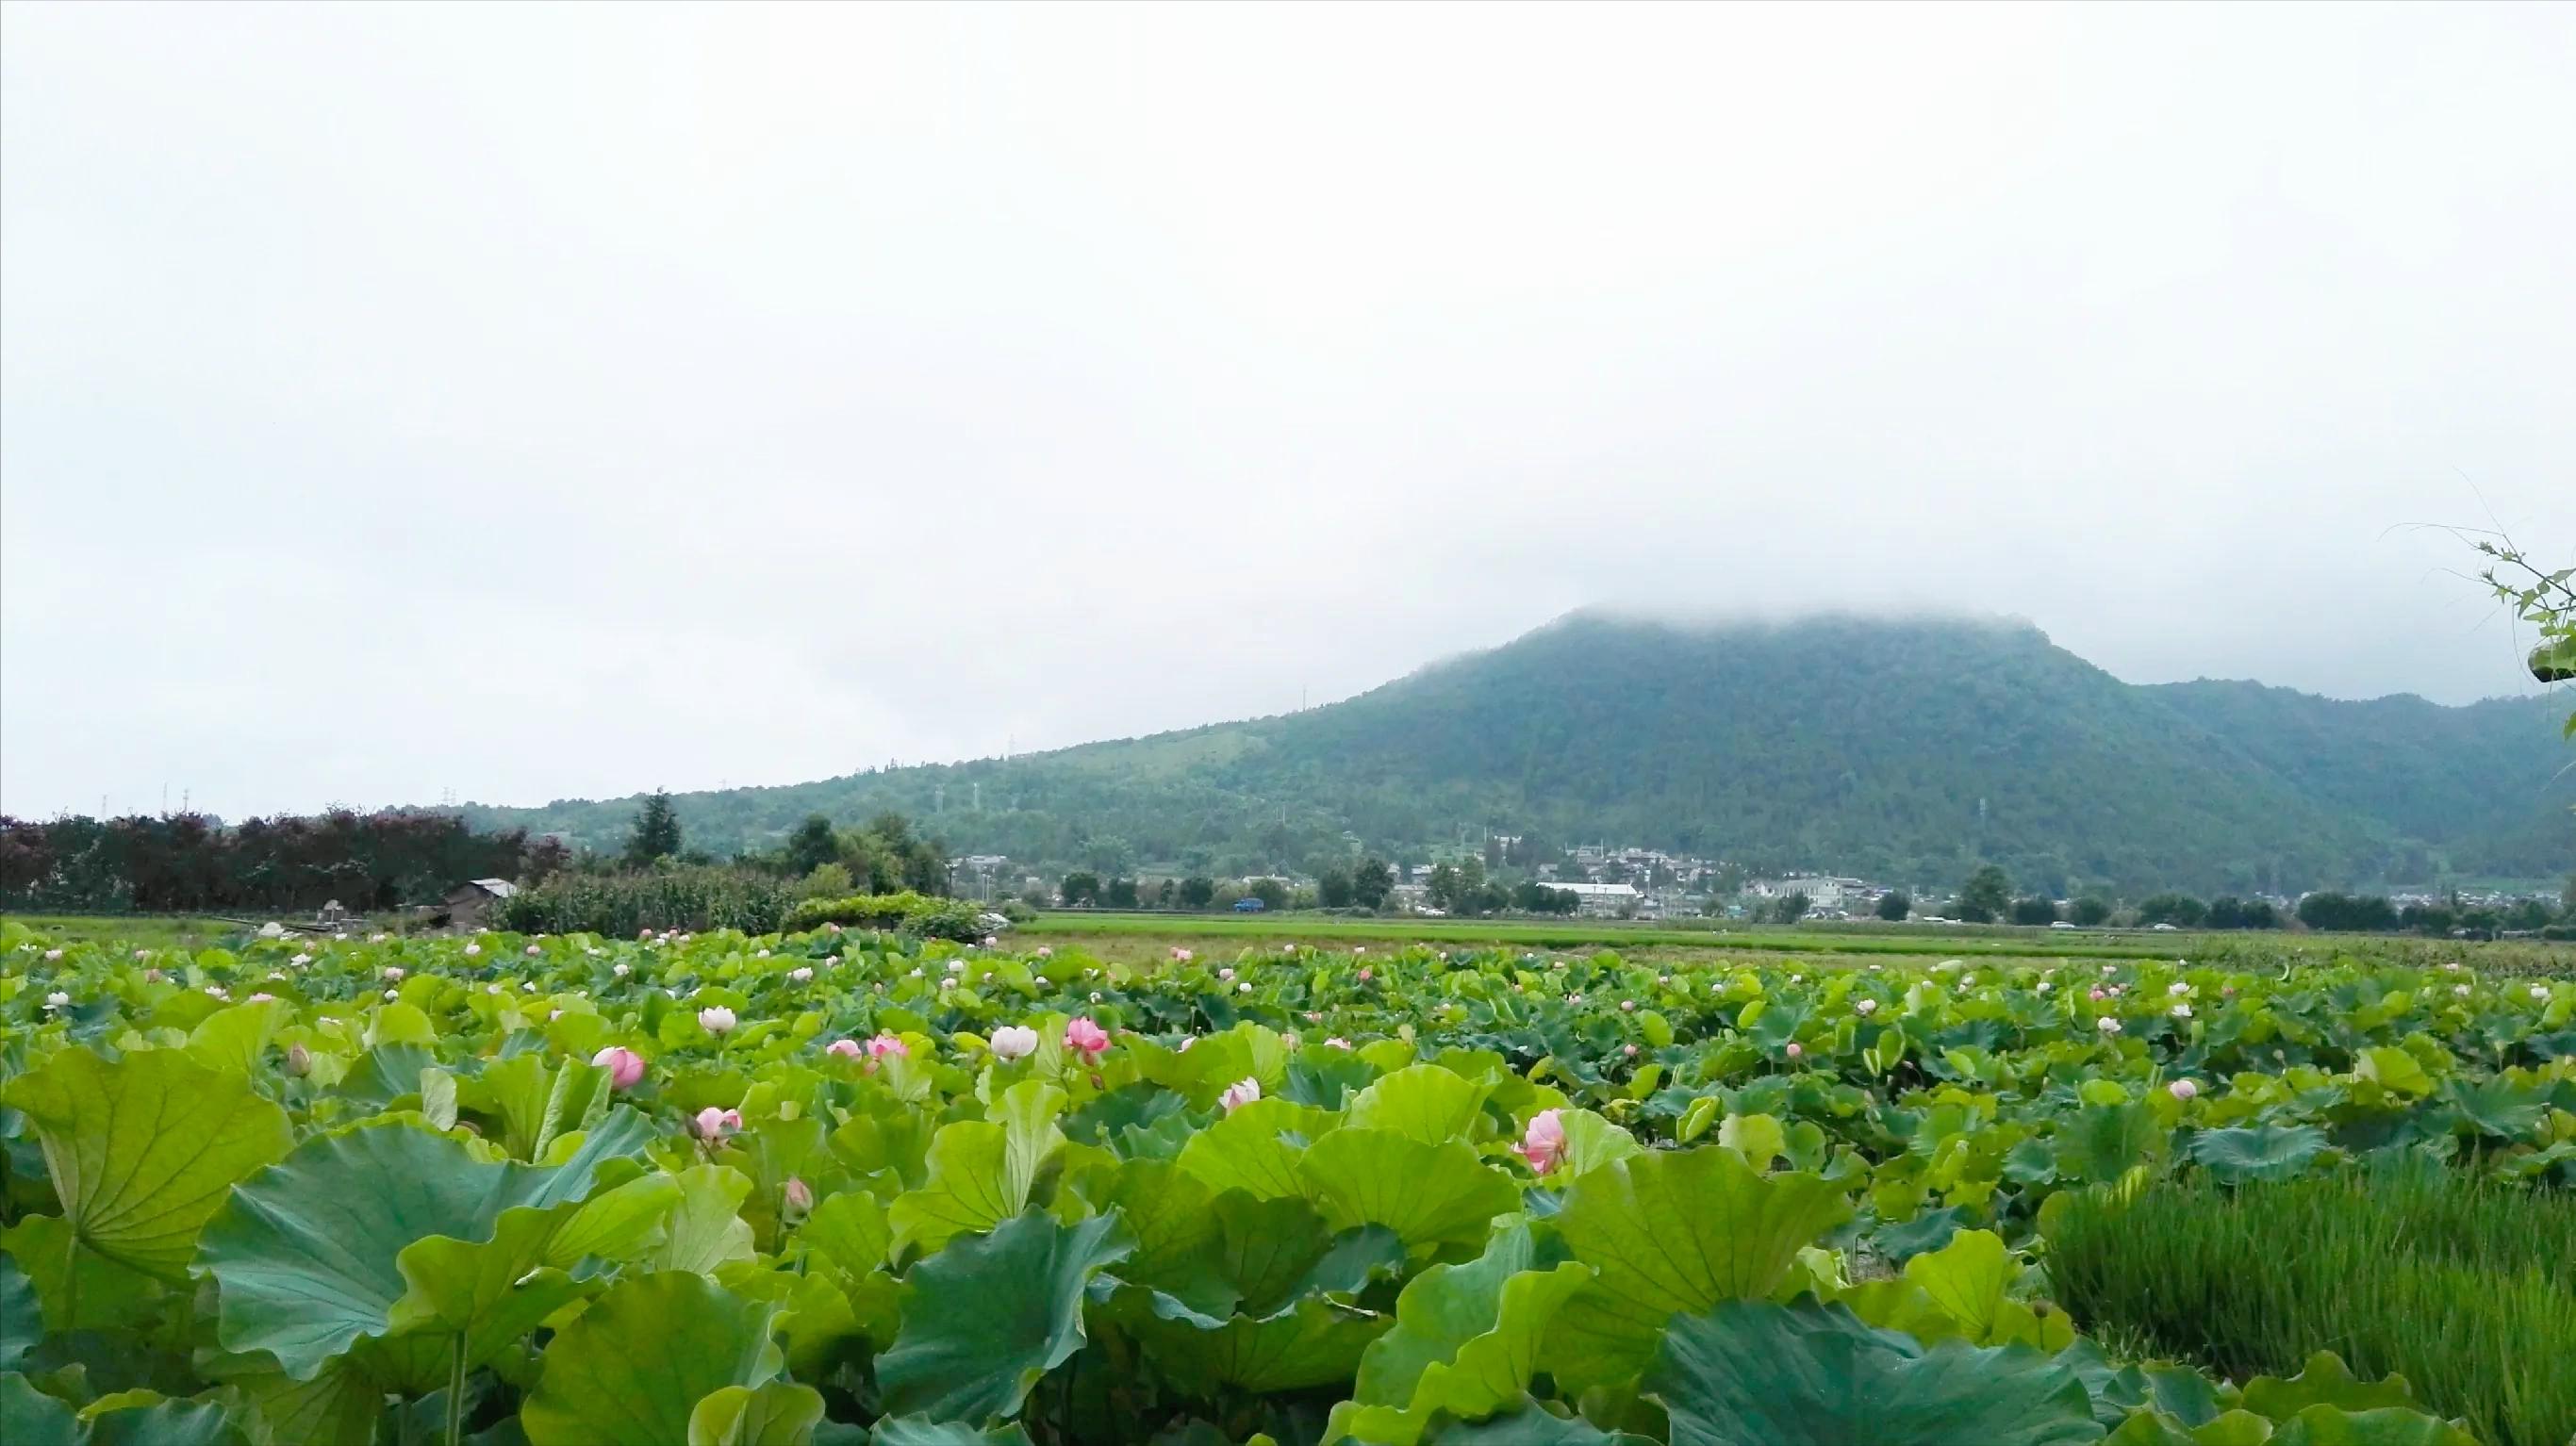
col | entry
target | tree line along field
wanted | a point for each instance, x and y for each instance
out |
(845, 1186)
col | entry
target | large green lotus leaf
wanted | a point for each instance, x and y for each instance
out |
(621, 1224)
(339, 1407)
(386, 1073)
(1168, 1211)
(2324, 1380)
(1531, 1425)
(981, 1172)
(631, 1369)
(2498, 1107)
(2387, 1426)
(492, 1292)
(1245, 1150)
(1261, 1257)
(1430, 1195)
(1751, 1373)
(922, 1431)
(2099, 1143)
(22, 1320)
(779, 1413)
(164, 1423)
(1311, 1344)
(846, 1236)
(1591, 1142)
(1465, 1341)
(2257, 1152)
(1422, 1102)
(307, 1254)
(78, 1288)
(29, 1417)
(989, 1315)
(707, 1229)
(1674, 1231)
(141, 1151)
(1960, 1292)
(235, 1040)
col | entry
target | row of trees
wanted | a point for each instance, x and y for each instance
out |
(190, 863)
(882, 856)
(1987, 896)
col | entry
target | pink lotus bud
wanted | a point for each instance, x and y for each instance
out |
(1627, 1006)
(1087, 1037)
(624, 1066)
(644, 933)
(152, 976)
(1543, 1142)
(1045, 953)
(714, 1124)
(1240, 1093)
(1797, 1050)
(534, 950)
(299, 1060)
(845, 1048)
(1367, 974)
(799, 1196)
(2182, 1089)
(1629, 1050)
(1226, 974)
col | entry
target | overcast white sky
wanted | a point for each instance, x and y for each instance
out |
(517, 402)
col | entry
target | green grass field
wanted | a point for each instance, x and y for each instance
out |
(1607, 933)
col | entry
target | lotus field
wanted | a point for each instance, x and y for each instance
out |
(856, 1188)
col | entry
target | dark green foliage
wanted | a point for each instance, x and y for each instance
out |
(670, 897)
(812, 845)
(1373, 881)
(1894, 906)
(2347, 914)
(656, 834)
(1897, 750)
(190, 863)
(912, 913)
(1197, 891)
(1986, 895)
(1790, 909)
(1081, 887)
(1119, 894)
(2034, 911)
(2230, 912)
(2089, 911)
(1333, 889)
(2466, 1288)
(2180, 910)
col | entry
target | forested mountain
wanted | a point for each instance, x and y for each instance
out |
(1902, 749)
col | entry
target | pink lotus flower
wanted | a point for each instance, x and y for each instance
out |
(2182, 1089)
(1629, 1050)
(1337, 1042)
(1367, 974)
(1627, 1006)
(624, 1066)
(714, 1124)
(888, 1046)
(1543, 1143)
(1014, 1041)
(845, 1049)
(716, 1019)
(1089, 1038)
(473, 949)
(643, 933)
(1225, 974)
(534, 950)
(393, 971)
(1240, 1093)
(261, 997)
(1045, 952)
(800, 975)
(1181, 956)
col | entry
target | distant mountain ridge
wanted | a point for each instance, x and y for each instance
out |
(1904, 749)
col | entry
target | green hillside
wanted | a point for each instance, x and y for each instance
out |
(1900, 749)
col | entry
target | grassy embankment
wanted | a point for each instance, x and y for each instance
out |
(2465, 1287)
